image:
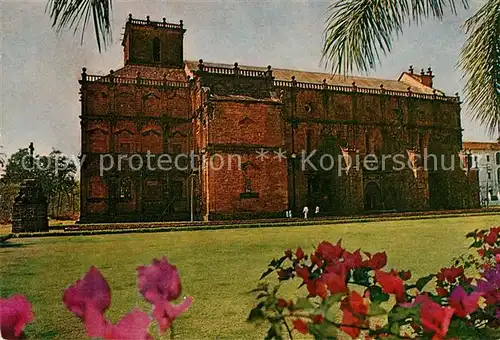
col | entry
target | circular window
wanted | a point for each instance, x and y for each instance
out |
(308, 108)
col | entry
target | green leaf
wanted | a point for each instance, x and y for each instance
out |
(400, 314)
(394, 328)
(377, 295)
(459, 329)
(256, 315)
(303, 304)
(376, 310)
(324, 330)
(477, 244)
(360, 275)
(423, 281)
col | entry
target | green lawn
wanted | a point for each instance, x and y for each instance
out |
(217, 268)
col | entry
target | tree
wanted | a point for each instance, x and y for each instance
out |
(356, 33)
(55, 172)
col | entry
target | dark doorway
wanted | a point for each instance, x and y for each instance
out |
(373, 197)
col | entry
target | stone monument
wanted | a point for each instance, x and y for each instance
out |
(30, 206)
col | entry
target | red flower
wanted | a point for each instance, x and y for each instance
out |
(450, 274)
(377, 261)
(329, 251)
(435, 318)
(348, 318)
(15, 313)
(462, 303)
(352, 260)
(335, 281)
(300, 326)
(302, 272)
(281, 303)
(491, 238)
(419, 299)
(315, 259)
(299, 254)
(357, 304)
(165, 312)
(391, 284)
(132, 326)
(316, 287)
(159, 282)
(92, 290)
(318, 318)
(441, 291)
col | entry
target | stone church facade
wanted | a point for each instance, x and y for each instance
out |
(241, 142)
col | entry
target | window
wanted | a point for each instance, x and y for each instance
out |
(152, 190)
(498, 158)
(125, 189)
(178, 189)
(498, 176)
(488, 158)
(125, 147)
(156, 49)
(489, 175)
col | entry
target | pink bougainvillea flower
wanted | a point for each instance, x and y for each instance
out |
(497, 258)
(302, 272)
(462, 303)
(391, 284)
(300, 326)
(316, 259)
(352, 260)
(419, 299)
(92, 289)
(15, 313)
(133, 326)
(355, 303)
(377, 261)
(435, 319)
(330, 252)
(159, 282)
(489, 285)
(165, 312)
(316, 287)
(450, 274)
(348, 318)
(491, 238)
(335, 280)
(299, 254)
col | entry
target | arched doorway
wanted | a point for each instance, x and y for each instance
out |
(373, 197)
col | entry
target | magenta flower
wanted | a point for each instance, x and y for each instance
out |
(93, 290)
(462, 303)
(165, 312)
(489, 285)
(159, 282)
(133, 326)
(15, 313)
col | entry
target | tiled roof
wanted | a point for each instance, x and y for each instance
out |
(481, 146)
(317, 77)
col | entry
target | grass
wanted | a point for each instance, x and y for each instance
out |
(217, 268)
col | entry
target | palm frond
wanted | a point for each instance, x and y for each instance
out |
(358, 30)
(480, 62)
(75, 14)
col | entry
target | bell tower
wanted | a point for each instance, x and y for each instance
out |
(153, 43)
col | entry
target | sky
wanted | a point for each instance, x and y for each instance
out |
(40, 69)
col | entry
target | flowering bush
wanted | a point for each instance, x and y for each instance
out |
(89, 298)
(353, 293)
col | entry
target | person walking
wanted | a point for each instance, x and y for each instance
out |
(305, 211)
(316, 211)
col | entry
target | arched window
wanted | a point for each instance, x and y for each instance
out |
(125, 189)
(156, 49)
(498, 158)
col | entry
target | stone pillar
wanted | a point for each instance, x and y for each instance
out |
(30, 209)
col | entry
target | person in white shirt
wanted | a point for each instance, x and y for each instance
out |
(305, 211)
(317, 210)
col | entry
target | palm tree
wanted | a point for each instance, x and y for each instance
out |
(357, 32)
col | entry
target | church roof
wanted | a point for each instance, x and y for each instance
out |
(481, 146)
(318, 77)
